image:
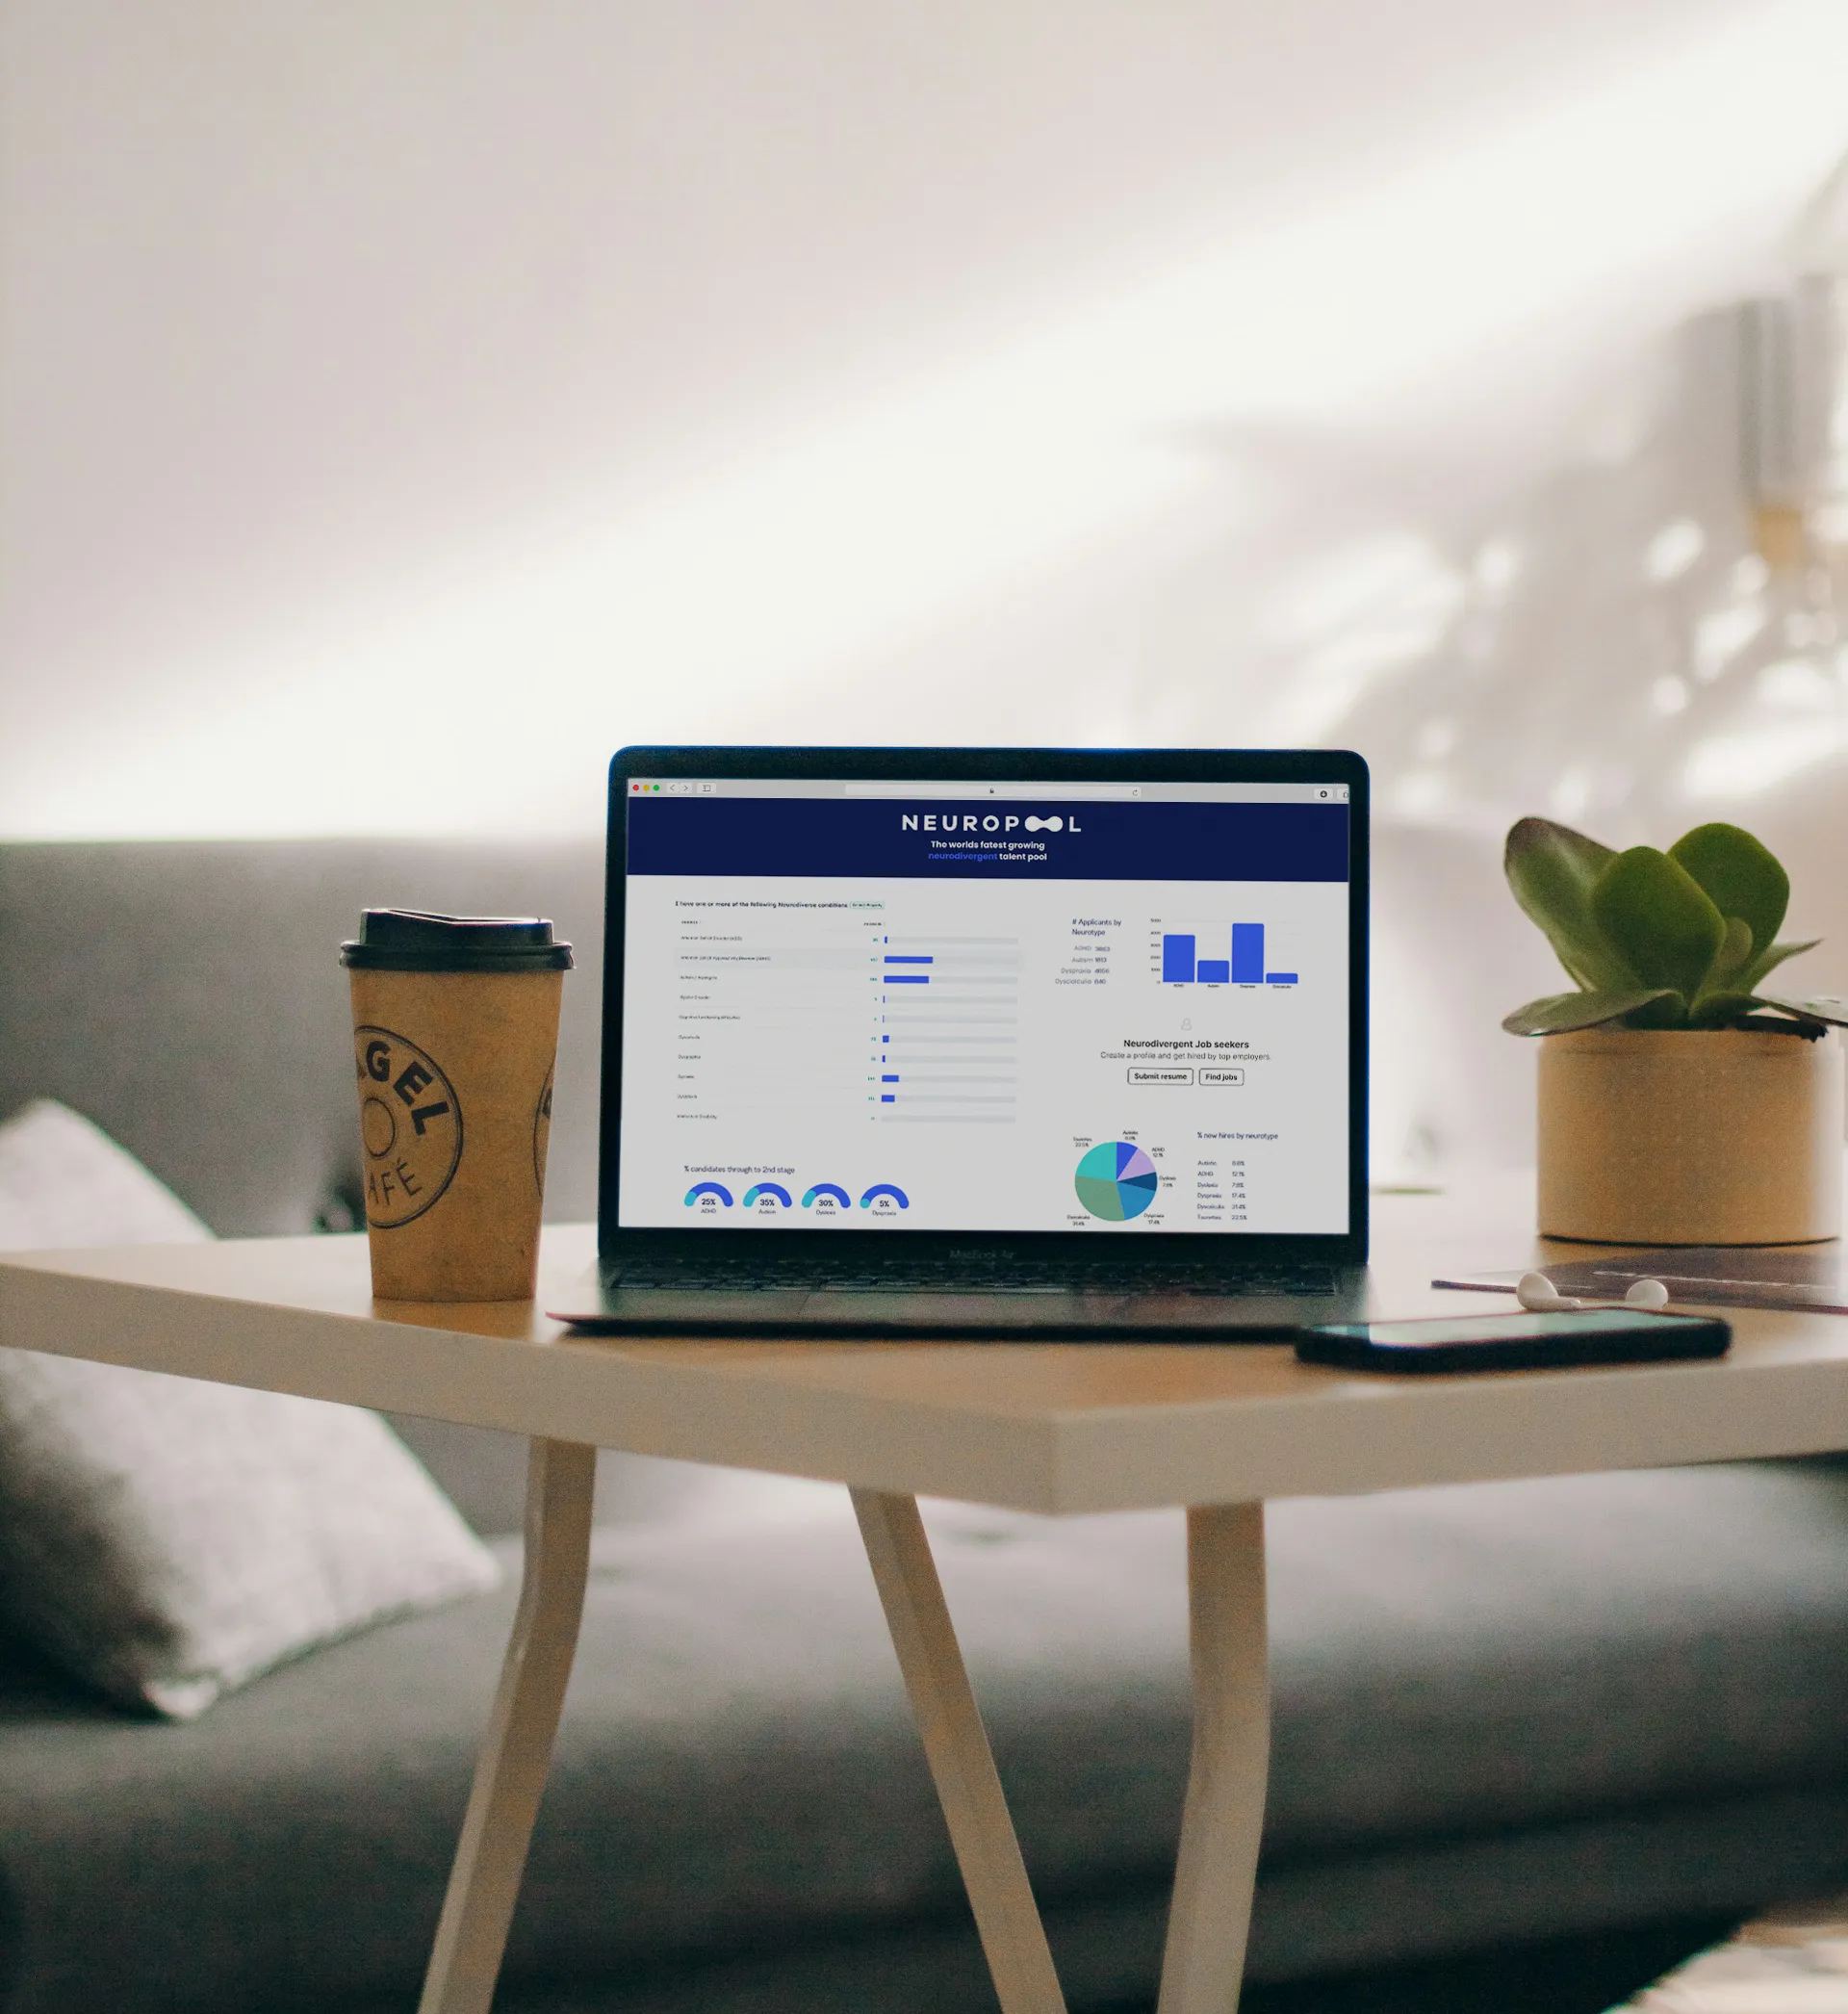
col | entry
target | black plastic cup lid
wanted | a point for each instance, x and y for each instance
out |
(415, 940)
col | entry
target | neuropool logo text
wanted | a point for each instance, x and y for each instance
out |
(983, 821)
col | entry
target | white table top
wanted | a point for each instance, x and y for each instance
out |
(1056, 1428)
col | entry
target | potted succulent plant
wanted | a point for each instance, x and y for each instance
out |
(1681, 1103)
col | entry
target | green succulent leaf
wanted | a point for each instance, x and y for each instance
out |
(1559, 1013)
(1740, 876)
(1735, 951)
(1677, 940)
(1827, 1007)
(1771, 957)
(1553, 872)
(1665, 921)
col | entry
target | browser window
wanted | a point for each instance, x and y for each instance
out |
(1112, 1008)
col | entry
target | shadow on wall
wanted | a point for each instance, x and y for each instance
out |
(1618, 657)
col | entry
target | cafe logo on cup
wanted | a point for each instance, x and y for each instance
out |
(542, 1136)
(410, 1126)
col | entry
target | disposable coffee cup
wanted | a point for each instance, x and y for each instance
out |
(455, 1033)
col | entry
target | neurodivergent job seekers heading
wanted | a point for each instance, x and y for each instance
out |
(1103, 841)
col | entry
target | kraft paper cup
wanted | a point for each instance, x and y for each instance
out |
(455, 1032)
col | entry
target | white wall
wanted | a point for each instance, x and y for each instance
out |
(403, 404)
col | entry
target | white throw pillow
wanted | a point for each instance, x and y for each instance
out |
(64, 1184)
(166, 1539)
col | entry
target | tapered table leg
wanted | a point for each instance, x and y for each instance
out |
(1209, 1917)
(485, 1884)
(956, 1746)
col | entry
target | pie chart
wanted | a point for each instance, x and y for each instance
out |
(1115, 1180)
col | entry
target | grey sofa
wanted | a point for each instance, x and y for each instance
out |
(1502, 1713)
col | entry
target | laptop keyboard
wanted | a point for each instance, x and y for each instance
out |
(970, 1275)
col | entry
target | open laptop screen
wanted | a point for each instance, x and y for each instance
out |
(1102, 1007)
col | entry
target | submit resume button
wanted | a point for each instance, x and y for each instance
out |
(1138, 1075)
(1221, 1077)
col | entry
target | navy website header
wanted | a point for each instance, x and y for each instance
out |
(996, 840)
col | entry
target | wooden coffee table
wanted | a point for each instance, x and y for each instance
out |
(1050, 1428)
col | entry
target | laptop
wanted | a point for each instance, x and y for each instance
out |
(986, 1044)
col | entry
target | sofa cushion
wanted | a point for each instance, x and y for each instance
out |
(65, 1184)
(1613, 1693)
(165, 1539)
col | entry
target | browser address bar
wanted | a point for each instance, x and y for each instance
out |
(1063, 792)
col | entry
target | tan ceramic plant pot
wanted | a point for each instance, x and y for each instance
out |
(1725, 1136)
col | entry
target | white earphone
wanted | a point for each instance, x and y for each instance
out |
(1536, 1293)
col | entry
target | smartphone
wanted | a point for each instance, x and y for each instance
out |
(1523, 1342)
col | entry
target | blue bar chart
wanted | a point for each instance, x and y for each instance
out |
(1183, 965)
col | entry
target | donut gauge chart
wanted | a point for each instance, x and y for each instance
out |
(1115, 1180)
(832, 1188)
(879, 1189)
(774, 1190)
(714, 1189)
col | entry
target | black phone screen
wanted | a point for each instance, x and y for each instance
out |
(1515, 1342)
